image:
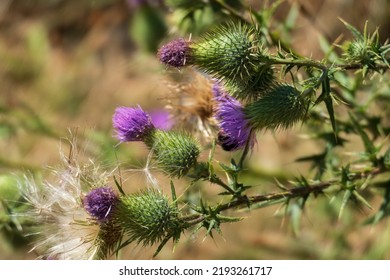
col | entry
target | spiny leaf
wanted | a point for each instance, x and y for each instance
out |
(384, 210)
(361, 199)
(329, 104)
(356, 33)
(160, 246)
(118, 185)
(295, 215)
(344, 202)
(173, 192)
(267, 203)
(280, 185)
(368, 144)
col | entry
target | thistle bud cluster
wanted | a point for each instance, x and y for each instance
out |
(248, 96)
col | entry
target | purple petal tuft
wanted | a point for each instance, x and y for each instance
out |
(100, 202)
(131, 124)
(175, 53)
(234, 129)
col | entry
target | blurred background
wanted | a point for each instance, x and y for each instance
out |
(66, 65)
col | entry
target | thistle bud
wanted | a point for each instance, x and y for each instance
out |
(261, 82)
(175, 152)
(100, 203)
(234, 130)
(280, 108)
(175, 53)
(363, 52)
(226, 53)
(148, 217)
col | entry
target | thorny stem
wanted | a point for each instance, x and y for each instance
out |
(216, 180)
(298, 62)
(299, 191)
(284, 46)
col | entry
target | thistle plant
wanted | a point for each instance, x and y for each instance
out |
(255, 84)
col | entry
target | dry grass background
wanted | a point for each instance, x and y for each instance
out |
(68, 64)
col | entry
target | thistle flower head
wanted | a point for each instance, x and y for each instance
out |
(234, 131)
(175, 152)
(148, 217)
(100, 203)
(280, 108)
(131, 124)
(174, 53)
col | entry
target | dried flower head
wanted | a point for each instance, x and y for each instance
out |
(131, 124)
(63, 228)
(175, 53)
(191, 105)
(234, 130)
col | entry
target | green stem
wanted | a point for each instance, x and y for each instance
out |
(216, 180)
(297, 62)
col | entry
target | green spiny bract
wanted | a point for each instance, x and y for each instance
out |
(175, 152)
(108, 240)
(226, 53)
(260, 83)
(148, 217)
(365, 52)
(280, 108)
(366, 49)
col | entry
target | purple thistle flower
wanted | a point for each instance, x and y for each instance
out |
(100, 202)
(234, 129)
(131, 124)
(175, 53)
